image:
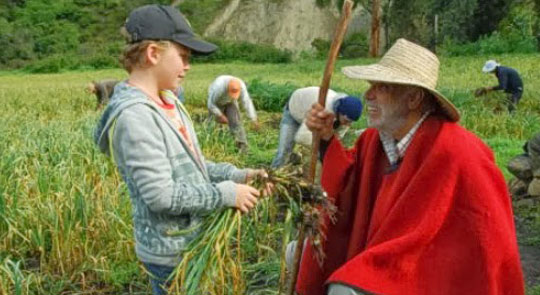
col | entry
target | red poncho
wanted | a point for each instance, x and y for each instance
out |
(441, 223)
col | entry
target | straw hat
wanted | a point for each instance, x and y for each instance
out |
(406, 63)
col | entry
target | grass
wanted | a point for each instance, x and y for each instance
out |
(65, 215)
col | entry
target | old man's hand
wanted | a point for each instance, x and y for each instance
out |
(320, 120)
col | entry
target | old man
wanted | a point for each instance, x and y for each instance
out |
(423, 209)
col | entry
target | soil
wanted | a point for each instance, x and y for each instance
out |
(530, 253)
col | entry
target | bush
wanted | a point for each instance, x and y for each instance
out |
(515, 35)
(244, 51)
(492, 44)
(354, 46)
(102, 61)
(269, 96)
(322, 47)
(53, 64)
(59, 62)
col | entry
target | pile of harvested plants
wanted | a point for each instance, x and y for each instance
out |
(233, 247)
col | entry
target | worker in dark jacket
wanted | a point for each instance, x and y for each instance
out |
(103, 90)
(509, 81)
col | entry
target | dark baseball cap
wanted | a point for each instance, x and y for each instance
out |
(163, 22)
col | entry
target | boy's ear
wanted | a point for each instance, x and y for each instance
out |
(152, 54)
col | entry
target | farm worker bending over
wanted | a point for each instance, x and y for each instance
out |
(149, 134)
(422, 206)
(223, 96)
(103, 90)
(292, 127)
(509, 81)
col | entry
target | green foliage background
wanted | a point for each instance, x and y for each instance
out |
(54, 35)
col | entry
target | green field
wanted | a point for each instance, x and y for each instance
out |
(65, 216)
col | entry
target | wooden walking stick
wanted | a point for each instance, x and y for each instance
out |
(332, 56)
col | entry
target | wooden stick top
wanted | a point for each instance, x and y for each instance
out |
(341, 29)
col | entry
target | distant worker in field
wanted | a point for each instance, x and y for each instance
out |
(223, 96)
(422, 207)
(292, 128)
(509, 81)
(103, 90)
(150, 137)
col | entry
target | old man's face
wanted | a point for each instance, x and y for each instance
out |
(386, 112)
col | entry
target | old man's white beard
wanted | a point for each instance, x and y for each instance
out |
(391, 120)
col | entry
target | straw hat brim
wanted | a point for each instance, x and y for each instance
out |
(380, 73)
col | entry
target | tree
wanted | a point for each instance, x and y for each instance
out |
(375, 28)
(486, 17)
(410, 20)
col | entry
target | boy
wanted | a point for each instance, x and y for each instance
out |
(150, 136)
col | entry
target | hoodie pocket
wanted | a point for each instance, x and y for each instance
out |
(183, 167)
(177, 226)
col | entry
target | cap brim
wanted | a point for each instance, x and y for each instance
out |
(197, 46)
(379, 73)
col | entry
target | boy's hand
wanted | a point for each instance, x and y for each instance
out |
(321, 121)
(222, 119)
(246, 197)
(252, 173)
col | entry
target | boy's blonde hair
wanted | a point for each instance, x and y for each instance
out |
(134, 53)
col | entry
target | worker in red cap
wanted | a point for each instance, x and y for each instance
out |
(223, 96)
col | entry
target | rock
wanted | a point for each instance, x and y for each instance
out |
(517, 188)
(534, 187)
(521, 167)
(533, 149)
(290, 25)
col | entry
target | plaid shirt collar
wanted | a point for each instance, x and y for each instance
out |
(395, 151)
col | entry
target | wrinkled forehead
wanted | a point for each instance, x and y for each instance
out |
(380, 83)
(392, 86)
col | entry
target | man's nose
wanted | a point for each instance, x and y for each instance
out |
(370, 94)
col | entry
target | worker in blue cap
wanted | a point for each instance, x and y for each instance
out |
(292, 128)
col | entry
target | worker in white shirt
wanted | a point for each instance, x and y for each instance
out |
(223, 96)
(292, 128)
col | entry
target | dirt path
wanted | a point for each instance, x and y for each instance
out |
(530, 261)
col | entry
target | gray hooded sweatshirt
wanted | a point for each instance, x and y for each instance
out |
(171, 186)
